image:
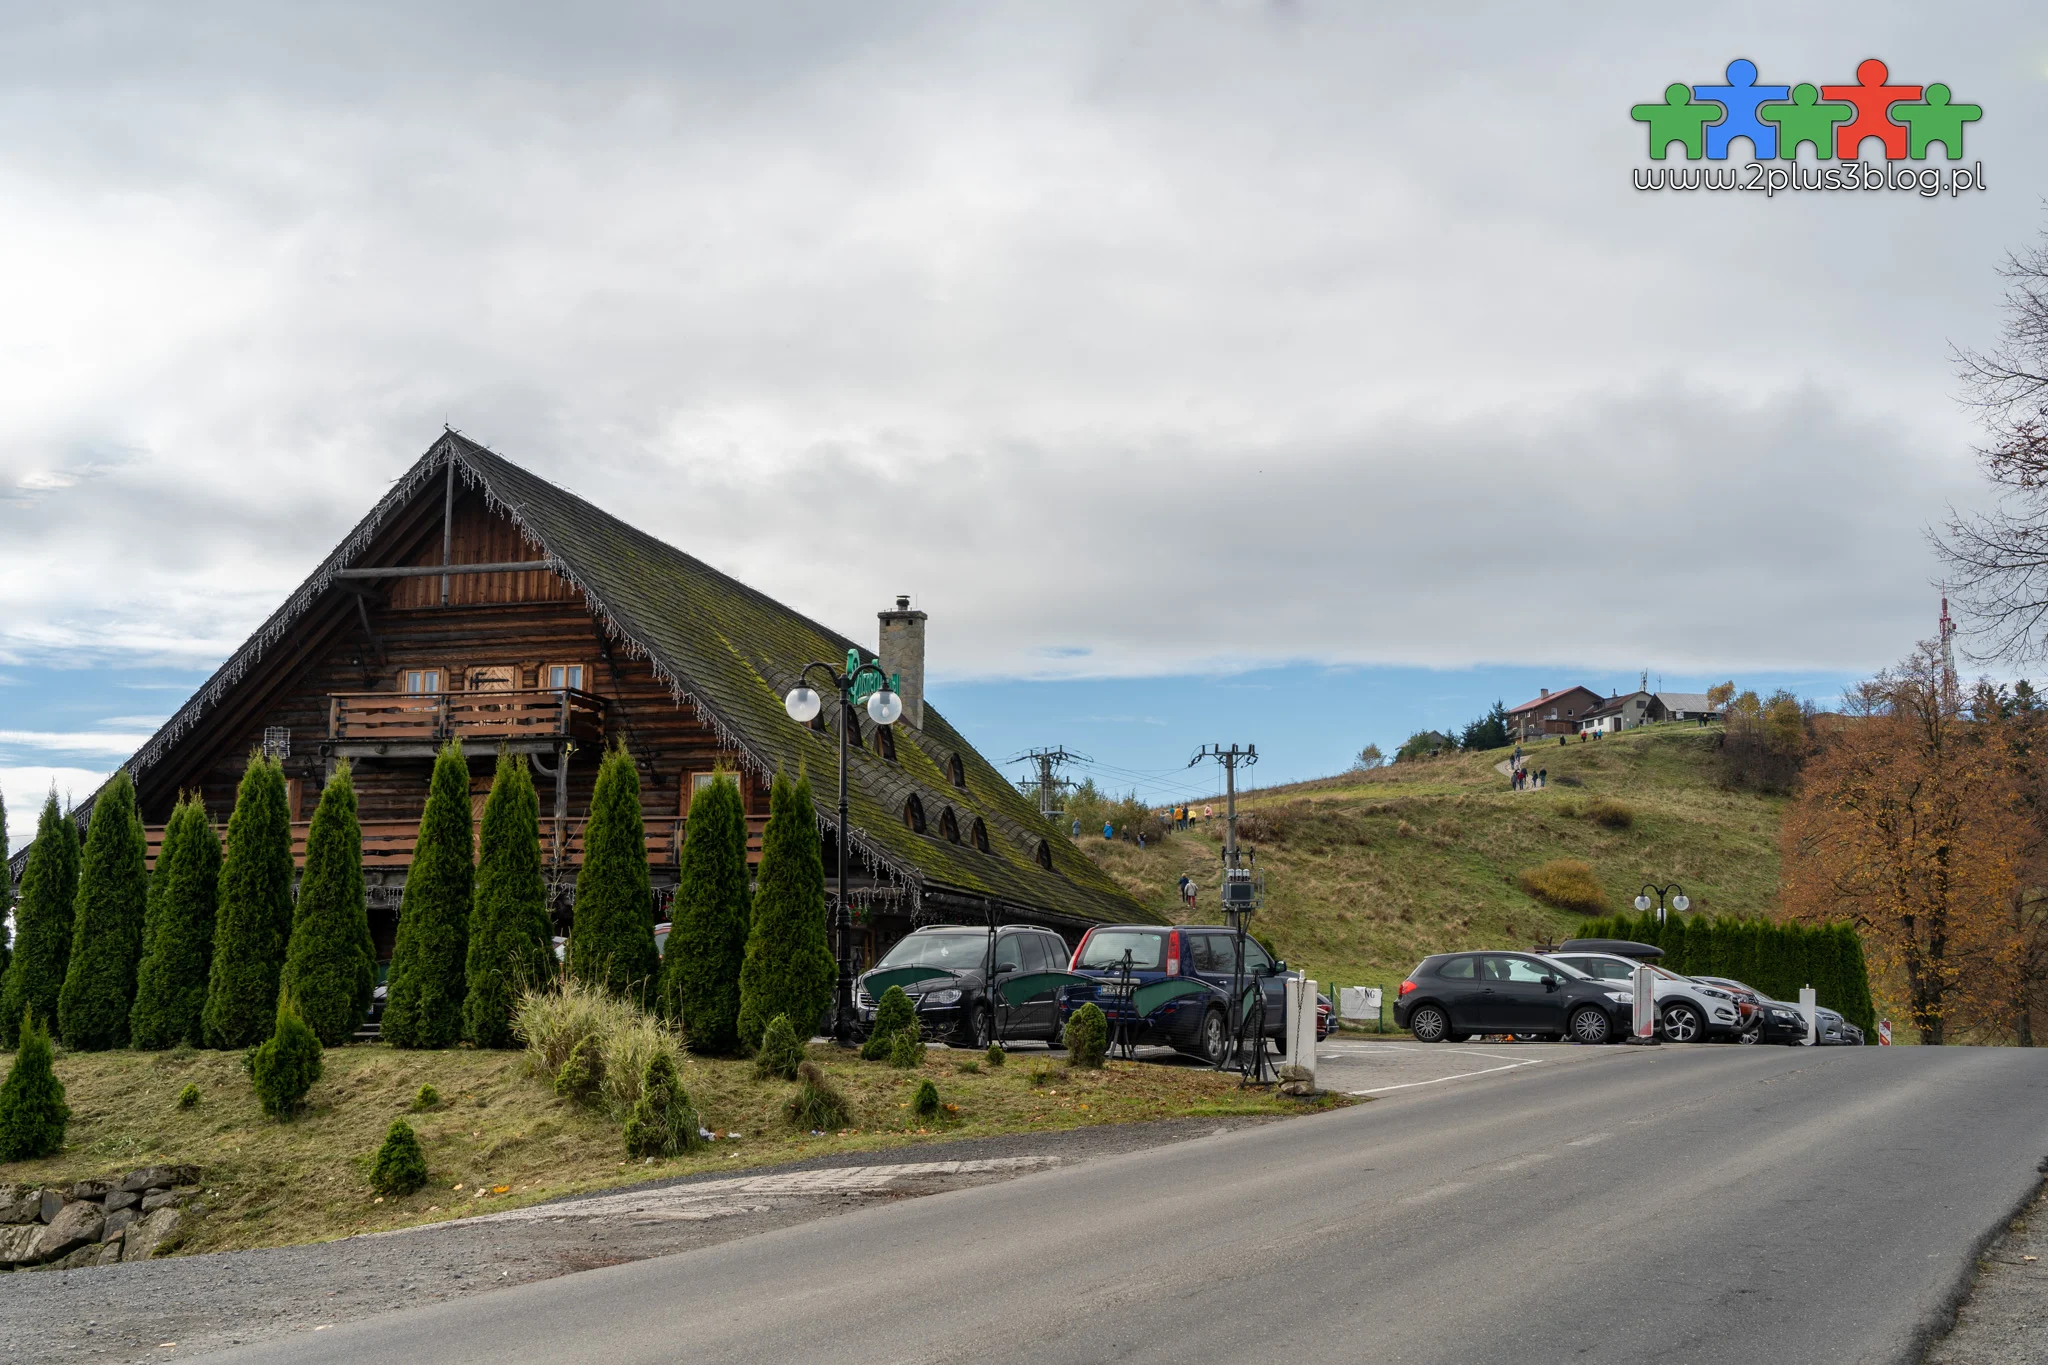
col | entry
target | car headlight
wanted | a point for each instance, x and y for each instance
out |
(1783, 1016)
(1622, 997)
(1718, 995)
(943, 998)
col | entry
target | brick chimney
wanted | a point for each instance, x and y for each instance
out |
(902, 654)
(1545, 692)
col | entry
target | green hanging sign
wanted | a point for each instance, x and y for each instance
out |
(1150, 997)
(866, 684)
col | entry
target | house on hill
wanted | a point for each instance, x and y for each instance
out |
(1551, 713)
(476, 601)
(1689, 706)
(1617, 713)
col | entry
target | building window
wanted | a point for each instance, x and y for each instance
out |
(949, 826)
(885, 742)
(977, 834)
(562, 676)
(700, 781)
(913, 815)
(422, 680)
(1044, 855)
(957, 770)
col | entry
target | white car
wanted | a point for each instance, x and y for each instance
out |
(1688, 1011)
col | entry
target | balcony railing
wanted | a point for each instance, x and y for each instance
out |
(432, 717)
(390, 844)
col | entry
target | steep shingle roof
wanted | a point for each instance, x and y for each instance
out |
(731, 653)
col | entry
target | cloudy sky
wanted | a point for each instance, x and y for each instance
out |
(1158, 349)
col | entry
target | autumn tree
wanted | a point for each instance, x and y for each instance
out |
(1909, 822)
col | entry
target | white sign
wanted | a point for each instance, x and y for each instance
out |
(1645, 1003)
(1884, 1033)
(1809, 1005)
(1359, 1002)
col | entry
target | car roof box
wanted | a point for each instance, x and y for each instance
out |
(1620, 947)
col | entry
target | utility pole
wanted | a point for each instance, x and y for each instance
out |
(1050, 785)
(1232, 759)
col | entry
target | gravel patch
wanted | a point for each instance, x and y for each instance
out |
(2004, 1321)
(190, 1305)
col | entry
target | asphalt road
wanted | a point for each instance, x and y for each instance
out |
(1677, 1204)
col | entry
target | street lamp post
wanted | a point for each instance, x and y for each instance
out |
(1678, 899)
(859, 681)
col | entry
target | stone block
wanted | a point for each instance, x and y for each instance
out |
(91, 1189)
(18, 1243)
(160, 1177)
(120, 1199)
(24, 1206)
(108, 1253)
(52, 1204)
(116, 1221)
(156, 1231)
(158, 1199)
(76, 1225)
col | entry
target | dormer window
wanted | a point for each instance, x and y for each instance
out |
(949, 826)
(957, 770)
(1044, 855)
(977, 834)
(913, 815)
(885, 742)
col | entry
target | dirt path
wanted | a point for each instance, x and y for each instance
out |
(190, 1305)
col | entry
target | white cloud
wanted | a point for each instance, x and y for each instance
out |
(24, 787)
(1128, 338)
(75, 741)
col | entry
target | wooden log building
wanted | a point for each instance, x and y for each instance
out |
(478, 601)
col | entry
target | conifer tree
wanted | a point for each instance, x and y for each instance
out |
(42, 924)
(611, 939)
(106, 923)
(6, 893)
(330, 966)
(32, 1109)
(1677, 947)
(511, 939)
(1857, 1005)
(253, 915)
(424, 992)
(177, 933)
(789, 965)
(286, 1064)
(707, 948)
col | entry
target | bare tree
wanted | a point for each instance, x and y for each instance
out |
(1998, 559)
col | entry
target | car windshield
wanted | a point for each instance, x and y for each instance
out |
(953, 951)
(1106, 948)
(1570, 972)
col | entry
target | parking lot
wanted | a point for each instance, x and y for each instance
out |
(1354, 1064)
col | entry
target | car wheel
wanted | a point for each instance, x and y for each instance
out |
(1429, 1024)
(1682, 1023)
(1751, 1036)
(1212, 1044)
(1588, 1025)
(979, 1029)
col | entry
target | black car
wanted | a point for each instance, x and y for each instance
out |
(951, 995)
(1451, 996)
(1784, 1023)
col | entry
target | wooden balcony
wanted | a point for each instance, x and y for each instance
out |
(371, 719)
(389, 845)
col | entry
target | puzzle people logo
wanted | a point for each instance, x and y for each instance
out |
(1833, 120)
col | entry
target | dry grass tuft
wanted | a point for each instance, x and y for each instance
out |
(1567, 884)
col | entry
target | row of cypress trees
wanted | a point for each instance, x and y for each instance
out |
(199, 952)
(1776, 959)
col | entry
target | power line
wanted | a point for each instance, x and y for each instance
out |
(1050, 785)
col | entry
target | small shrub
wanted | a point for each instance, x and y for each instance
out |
(968, 1067)
(995, 1055)
(817, 1104)
(925, 1104)
(1567, 780)
(188, 1098)
(1039, 1075)
(287, 1065)
(33, 1114)
(893, 1014)
(782, 1052)
(1405, 830)
(400, 1167)
(1087, 1037)
(906, 1051)
(582, 1075)
(1605, 810)
(426, 1099)
(1567, 884)
(663, 1121)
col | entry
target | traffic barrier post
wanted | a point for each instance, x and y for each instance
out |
(1808, 1004)
(1645, 1015)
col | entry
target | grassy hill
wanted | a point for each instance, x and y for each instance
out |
(1367, 873)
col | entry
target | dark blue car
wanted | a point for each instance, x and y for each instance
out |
(1175, 990)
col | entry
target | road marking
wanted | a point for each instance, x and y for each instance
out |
(1534, 1158)
(1410, 1085)
(1439, 1192)
(1589, 1140)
